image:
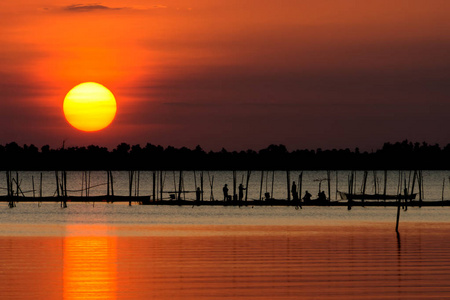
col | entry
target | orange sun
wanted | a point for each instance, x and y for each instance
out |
(89, 106)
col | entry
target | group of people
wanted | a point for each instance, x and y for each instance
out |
(320, 197)
(307, 197)
(227, 197)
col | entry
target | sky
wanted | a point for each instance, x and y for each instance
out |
(229, 74)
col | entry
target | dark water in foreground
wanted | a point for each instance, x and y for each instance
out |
(115, 252)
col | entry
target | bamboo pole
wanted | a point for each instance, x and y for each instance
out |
(112, 183)
(161, 184)
(57, 183)
(413, 182)
(364, 185)
(154, 186)
(288, 180)
(211, 184)
(107, 183)
(180, 185)
(17, 184)
(329, 184)
(246, 186)
(337, 185)
(201, 183)
(40, 187)
(138, 182)
(300, 183)
(260, 188)
(7, 183)
(130, 185)
(273, 180)
(32, 183)
(398, 214)
(234, 186)
(65, 183)
(375, 181)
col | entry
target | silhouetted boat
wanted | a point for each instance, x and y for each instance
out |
(347, 196)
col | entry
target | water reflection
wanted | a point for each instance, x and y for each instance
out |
(90, 266)
(234, 262)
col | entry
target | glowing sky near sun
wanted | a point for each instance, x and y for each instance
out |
(233, 74)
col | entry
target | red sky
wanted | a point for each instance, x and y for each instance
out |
(233, 74)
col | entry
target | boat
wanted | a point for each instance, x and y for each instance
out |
(348, 196)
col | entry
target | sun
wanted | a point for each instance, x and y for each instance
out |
(89, 106)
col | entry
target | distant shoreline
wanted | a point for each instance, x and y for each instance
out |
(398, 156)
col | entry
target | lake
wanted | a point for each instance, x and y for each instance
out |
(116, 251)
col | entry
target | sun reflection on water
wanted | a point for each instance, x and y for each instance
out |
(90, 265)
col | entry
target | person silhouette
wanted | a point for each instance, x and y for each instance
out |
(307, 196)
(225, 192)
(322, 196)
(294, 191)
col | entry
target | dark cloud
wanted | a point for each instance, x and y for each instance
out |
(90, 7)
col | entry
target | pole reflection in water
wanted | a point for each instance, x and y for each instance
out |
(90, 266)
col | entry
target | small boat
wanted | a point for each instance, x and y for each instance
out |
(347, 196)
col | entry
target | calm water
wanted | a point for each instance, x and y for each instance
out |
(274, 183)
(113, 251)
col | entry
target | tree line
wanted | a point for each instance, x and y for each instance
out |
(392, 156)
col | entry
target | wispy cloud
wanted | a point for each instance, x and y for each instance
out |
(101, 7)
(90, 7)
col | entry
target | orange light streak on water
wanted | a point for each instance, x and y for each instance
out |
(90, 267)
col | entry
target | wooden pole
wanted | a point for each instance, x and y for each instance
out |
(7, 183)
(180, 185)
(443, 187)
(413, 182)
(300, 183)
(154, 186)
(138, 182)
(398, 214)
(364, 185)
(161, 184)
(337, 185)
(288, 180)
(234, 186)
(195, 181)
(260, 189)
(385, 184)
(130, 185)
(273, 180)
(65, 183)
(17, 184)
(32, 182)
(112, 183)
(40, 187)
(57, 183)
(201, 183)
(329, 184)
(107, 183)
(246, 186)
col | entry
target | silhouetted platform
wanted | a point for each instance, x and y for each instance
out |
(146, 200)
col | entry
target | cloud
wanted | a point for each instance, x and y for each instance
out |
(90, 7)
(101, 7)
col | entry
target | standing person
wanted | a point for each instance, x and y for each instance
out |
(225, 192)
(294, 191)
(241, 192)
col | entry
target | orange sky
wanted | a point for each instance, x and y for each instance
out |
(233, 74)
